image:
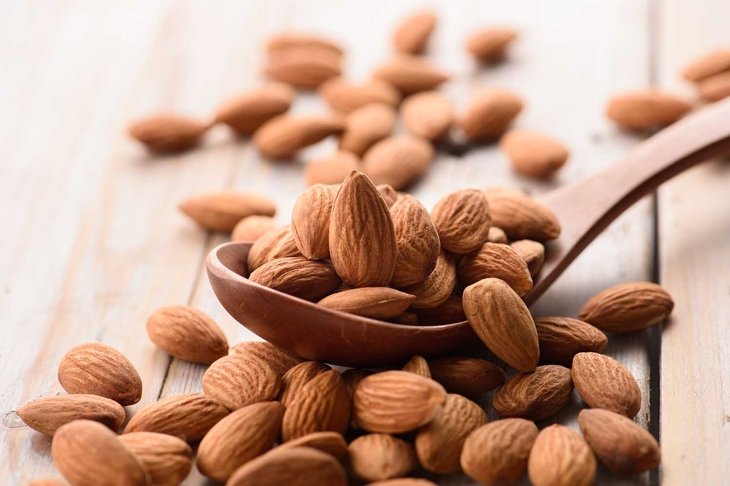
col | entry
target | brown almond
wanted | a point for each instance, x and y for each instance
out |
(287, 40)
(490, 44)
(347, 96)
(88, 454)
(428, 115)
(47, 414)
(411, 74)
(470, 377)
(297, 276)
(497, 235)
(352, 377)
(462, 220)
(251, 228)
(408, 318)
(294, 380)
(330, 442)
(303, 67)
(560, 457)
(439, 443)
(417, 240)
(275, 243)
(238, 380)
(373, 302)
(404, 482)
(521, 217)
(245, 113)
(361, 234)
(496, 453)
(332, 168)
(398, 161)
(714, 62)
(394, 402)
(310, 222)
(187, 333)
(366, 126)
(437, 287)
(47, 482)
(238, 438)
(221, 211)
(302, 466)
(561, 338)
(489, 114)
(168, 133)
(603, 382)
(98, 369)
(412, 33)
(282, 137)
(715, 87)
(646, 109)
(323, 404)
(621, 444)
(167, 460)
(450, 311)
(502, 321)
(189, 416)
(375, 457)
(278, 359)
(496, 260)
(626, 307)
(534, 395)
(389, 194)
(418, 365)
(532, 253)
(533, 154)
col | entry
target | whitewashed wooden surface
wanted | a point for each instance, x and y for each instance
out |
(92, 242)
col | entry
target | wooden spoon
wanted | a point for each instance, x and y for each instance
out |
(584, 210)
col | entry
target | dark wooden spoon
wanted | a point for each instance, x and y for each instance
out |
(584, 210)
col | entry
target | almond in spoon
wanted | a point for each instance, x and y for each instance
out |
(496, 260)
(374, 302)
(297, 276)
(311, 221)
(417, 240)
(462, 220)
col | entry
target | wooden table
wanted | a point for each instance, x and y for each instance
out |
(92, 242)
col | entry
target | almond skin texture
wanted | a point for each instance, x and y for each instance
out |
(287, 40)
(561, 338)
(502, 321)
(411, 74)
(366, 126)
(417, 241)
(297, 276)
(276, 243)
(361, 234)
(437, 287)
(373, 302)
(707, 65)
(98, 369)
(646, 109)
(715, 87)
(628, 307)
(534, 395)
(496, 260)
(490, 44)
(187, 333)
(376, 457)
(294, 380)
(302, 466)
(241, 436)
(331, 169)
(398, 161)
(330, 442)
(439, 443)
(621, 444)
(311, 221)
(323, 404)
(282, 137)
(532, 252)
(489, 114)
(603, 382)
(394, 402)
(47, 414)
(533, 154)
(418, 365)
(428, 115)
(346, 96)
(238, 380)
(245, 113)
(450, 311)
(303, 67)
(167, 460)
(168, 133)
(89, 454)
(412, 33)
(278, 359)
(221, 211)
(251, 228)
(496, 453)
(560, 457)
(466, 376)
(462, 220)
(497, 235)
(521, 217)
(188, 416)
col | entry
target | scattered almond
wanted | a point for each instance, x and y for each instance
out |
(412, 33)
(331, 169)
(411, 74)
(466, 376)
(282, 137)
(532, 252)
(244, 114)
(646, 109)
(715, 87)
(462, 220)
(373, 302)
(437, 287)
(496, 260)
(47, 414)
(603, 382)
(168, 133)
(533, 154)
(287, 40)
(417, 241)
(398, 161)
(276, 243)
(521, 217)
(278, 359)
(490, 44)
(238, 380)
(167, 460)
(302, 466)
(428, 115)
(561, 338)
(560, 457)
(714, 62)
(251, 228)
(536, 395)
(221, 211)
(347, 96)
(311, 221)
(489, 114)
(294, 380)
(376, 457)
(330, 442)
(297, 276)
(366, 126)
(303, 67)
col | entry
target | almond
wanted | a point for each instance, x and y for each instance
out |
(294, 380)
(646, 109)
(366, 126)
(561, 338)
(189, 416)
(437, 287)
(470, 377)
(89, 454)
(450, 311)
(373, 302)
(418, 365)
(411, 74)
(389, 194)
(98, 369)
(251, 228)
(287, 40)
(394, 402)
(502, 321)
(330, 442)
(361, 234)
(532, 253)
(168, 133)
(238, 438)
(621, 444)
(462, 220)
(626, 307)
(282, 137)
(496, 260)
(331, 169)
(603, 382)
(353, 377)
(187, 333)
(346, 96)
(221, 211)
(303, 67)
(404, 482)
(323, 404)
(311, 221)
(521, 217)
(428, 115)
(412, 33)
(497, 235)
(489, 114)
(302, 466)
(276, 243)
(47, 482)
(398, 161)
(439, 443)
(715, 87)
(167, 460)
(534, 395)
(490, 44)
(375, 457)
(278, 359)
(496, 453)
(408, 318)
(47, 414)
(417, 241)
(297, 276)
(238, 380)
(712, 63)
(533, 154)
(245, 113)
(560, 457)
